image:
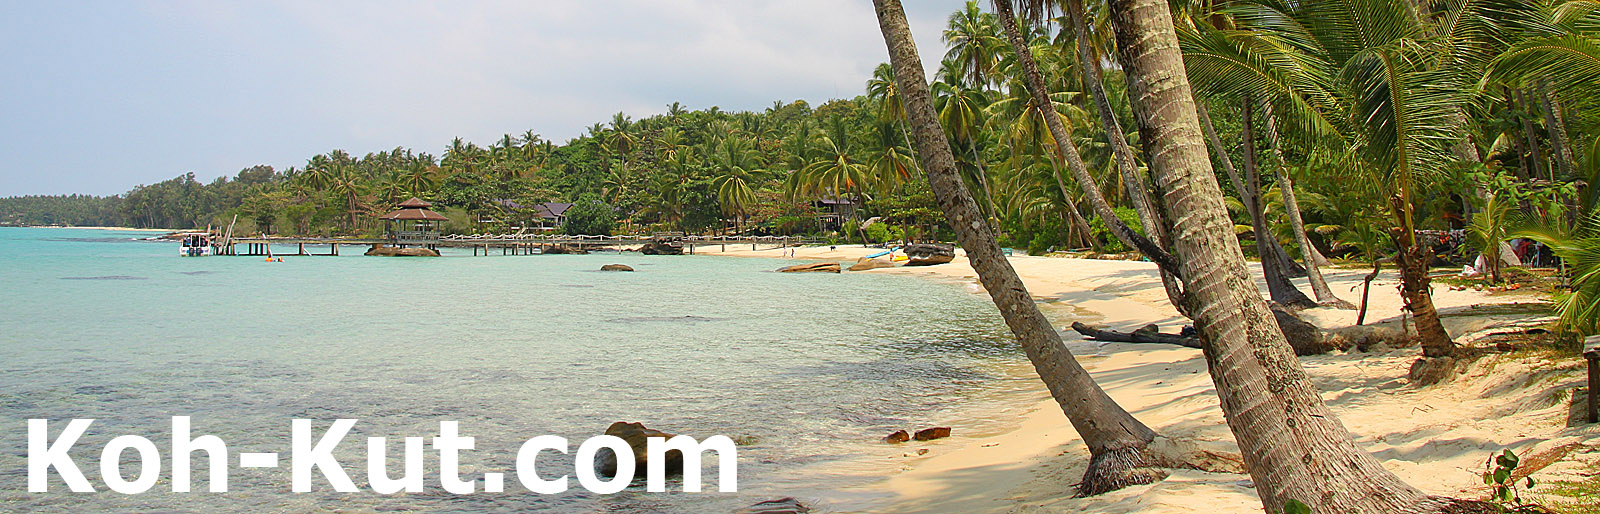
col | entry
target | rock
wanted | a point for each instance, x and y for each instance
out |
(1305, 338)
(616, 267)
(605, 461)
(787, 505)
(899, 436)
(866, 264)
(929, 434)
(662, 247)
(564, 249)
(928, 254)
(380, 250)
(816, 267)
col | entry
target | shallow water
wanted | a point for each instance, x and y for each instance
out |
(802, 369)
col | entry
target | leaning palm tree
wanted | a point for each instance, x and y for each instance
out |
(1118, 443)
(1295, 448)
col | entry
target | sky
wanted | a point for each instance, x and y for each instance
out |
(97, 96)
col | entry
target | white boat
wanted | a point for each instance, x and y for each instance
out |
(195, 244)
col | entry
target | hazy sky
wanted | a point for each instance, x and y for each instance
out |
(99, 96)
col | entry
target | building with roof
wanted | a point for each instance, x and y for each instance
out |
(413, 224)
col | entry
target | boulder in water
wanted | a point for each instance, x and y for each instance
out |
(929, 434)
(381, 250)
(637, 436)
(662, 247)
(816, 267)
(928, 254)
(616, 267)
(899, 436)
(866, 264)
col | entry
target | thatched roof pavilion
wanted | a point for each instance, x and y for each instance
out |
(415, 209)
(412, 224)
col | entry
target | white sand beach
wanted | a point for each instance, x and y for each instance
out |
(1437, 437)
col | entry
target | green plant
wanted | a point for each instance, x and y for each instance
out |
(1503, 485)
(1294, 506)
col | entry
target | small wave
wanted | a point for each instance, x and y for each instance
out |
(193, 273)
(106, 277)
(678, 319)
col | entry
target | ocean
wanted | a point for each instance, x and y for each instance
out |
(803, 370)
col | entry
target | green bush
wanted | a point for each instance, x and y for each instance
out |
(590, 216)
(878, 233)
(1098, 229)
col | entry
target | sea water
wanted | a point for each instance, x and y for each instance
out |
(800, 369)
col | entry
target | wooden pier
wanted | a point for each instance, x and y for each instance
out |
(508, 244)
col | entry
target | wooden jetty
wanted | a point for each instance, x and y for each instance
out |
(508, 244)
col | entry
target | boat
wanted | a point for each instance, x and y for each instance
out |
(195, 244)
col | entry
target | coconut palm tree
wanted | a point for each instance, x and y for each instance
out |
(1295, 448)
(1118, 442)
(736, 164)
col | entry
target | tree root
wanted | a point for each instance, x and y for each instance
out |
(1115, 469)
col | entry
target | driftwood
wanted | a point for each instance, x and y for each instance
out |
(1145, 334)
(1305, 338)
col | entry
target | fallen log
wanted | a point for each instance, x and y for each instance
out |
(1147, 334)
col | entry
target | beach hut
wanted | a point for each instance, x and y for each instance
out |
(412, 224)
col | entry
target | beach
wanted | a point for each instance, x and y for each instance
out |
(1437, 438)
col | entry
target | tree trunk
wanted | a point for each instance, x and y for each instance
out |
(1065, 150)
(1149, 218)
(1413, 260)
(1279, 287)
(983, 175)
(1558, 133)
(1294, 447)
(1077, 220)
(1244, 196)
(1117, 441)
(1534, 151)
(1291, 209)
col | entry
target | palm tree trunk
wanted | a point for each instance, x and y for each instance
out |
(1127, 166)
(1065, 149)
(1534, 150)
(1558, 133)
(1279, 287)
(1291, 208)
(1117, 441)
(1413, 260)
(1294, 447)
(1217, 148)
(1078, 222)
(983, 175)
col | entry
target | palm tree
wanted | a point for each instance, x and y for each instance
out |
(1118, 442)
(1295, 448)
(836, 172)
(736, 164)
(974, 45)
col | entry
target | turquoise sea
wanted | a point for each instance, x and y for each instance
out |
(802, 369)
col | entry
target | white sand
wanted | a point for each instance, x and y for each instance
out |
(1437, 438)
